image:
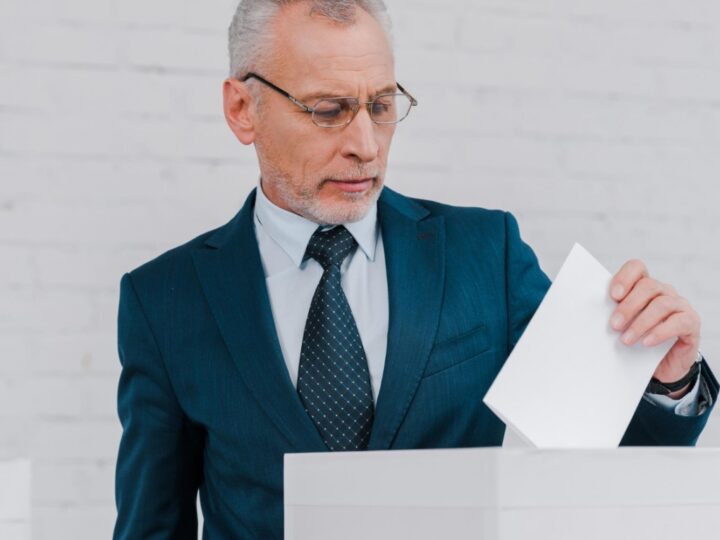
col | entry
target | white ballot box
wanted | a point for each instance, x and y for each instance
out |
(504, 494)
(15, 499)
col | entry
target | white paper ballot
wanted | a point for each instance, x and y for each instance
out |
(570, 382)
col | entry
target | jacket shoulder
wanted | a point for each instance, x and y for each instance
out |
(169, 267)
(465, 213)
(453, 214)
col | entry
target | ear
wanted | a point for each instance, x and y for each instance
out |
(238, 107)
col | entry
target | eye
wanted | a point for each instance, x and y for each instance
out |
(329, 109)
(382, 105)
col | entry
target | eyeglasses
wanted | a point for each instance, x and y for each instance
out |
(330, 112)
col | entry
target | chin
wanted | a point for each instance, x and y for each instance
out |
(347, 208)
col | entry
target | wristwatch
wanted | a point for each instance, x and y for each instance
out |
(665, 388)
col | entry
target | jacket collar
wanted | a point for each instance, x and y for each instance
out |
(292, 232)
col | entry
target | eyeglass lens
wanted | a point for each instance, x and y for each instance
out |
(384, 109)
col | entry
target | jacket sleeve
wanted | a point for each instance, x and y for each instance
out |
(654, 425)
(159, 461)
(526, 283)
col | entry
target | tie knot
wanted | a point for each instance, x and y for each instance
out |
(330, 247)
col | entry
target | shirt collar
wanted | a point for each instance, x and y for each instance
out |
(292, 232)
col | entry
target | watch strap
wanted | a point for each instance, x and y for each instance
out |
(663, 388)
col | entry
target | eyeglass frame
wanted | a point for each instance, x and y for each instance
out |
(311, 110)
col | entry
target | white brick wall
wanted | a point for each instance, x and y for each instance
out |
(15, 499)
(593, 121)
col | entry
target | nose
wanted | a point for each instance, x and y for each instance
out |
(359, 138)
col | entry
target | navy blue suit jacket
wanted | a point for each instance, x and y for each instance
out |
(207, 404)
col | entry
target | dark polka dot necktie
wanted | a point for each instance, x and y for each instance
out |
(333, 378)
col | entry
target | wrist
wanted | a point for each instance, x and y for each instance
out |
(675, 386)
(680, 393)
(669, 372)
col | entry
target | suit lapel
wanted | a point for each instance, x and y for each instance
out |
(230, 270)
(415, 264)
(233, 281)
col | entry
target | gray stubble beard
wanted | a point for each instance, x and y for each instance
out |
(307, 204)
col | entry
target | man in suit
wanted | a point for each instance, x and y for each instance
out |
(332, 313)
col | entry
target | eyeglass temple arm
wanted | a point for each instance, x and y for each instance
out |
(277, 89)
(302, 105)
(412, 99)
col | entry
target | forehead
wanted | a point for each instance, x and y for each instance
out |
(313, 53)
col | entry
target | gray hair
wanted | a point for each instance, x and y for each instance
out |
(248, 35)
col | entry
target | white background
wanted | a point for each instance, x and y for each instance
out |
(596, 122)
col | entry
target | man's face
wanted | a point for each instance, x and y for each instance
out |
(310, 170)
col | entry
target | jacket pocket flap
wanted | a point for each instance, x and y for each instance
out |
(454, 350)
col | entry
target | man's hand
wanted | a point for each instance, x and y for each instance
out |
(652, 312)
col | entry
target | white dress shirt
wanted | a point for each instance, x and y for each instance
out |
(282, 238)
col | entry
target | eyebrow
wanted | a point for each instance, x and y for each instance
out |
(390, 88)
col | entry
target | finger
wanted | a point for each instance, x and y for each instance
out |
(678, 324)
(625, 278)
(635, 301)
(657, 311)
